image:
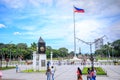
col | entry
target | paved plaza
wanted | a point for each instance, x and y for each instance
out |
(63, 72)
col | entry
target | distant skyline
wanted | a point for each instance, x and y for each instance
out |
(24, 21)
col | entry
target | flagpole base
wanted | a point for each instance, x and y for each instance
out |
(75, 57)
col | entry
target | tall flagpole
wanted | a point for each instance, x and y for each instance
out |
(74, 34)
(80, 11)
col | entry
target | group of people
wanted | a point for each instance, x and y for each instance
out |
(50, 73)
(90, 76)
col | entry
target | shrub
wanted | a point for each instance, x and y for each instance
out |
(6, 68)
(99, 71)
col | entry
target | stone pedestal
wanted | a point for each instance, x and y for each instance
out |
(39, 61)
(42, 62)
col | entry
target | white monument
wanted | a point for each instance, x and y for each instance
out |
(42, 62)
(39, 57)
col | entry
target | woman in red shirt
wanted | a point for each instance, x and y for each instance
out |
(79, 74)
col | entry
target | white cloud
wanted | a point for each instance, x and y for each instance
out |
(113, 31)
(99, 7)
(35, 2)
(87, 28)
(48, 2)
(17, 33)
(15, 3)
(20, 4)
(92, 7)
(28, 28)
(2, 26)
(53, 20)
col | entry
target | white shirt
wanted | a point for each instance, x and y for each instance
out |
(94, 72)
(52, 70)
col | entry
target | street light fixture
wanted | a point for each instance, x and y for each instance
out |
(90, 44)
(91, 56)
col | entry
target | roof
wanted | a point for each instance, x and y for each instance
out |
(41, 40)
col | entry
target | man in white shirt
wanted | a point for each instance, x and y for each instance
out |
(52, 72)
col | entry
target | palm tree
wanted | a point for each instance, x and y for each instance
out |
(33, 46)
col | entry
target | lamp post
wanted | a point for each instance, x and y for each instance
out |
(90, 44)
(91, 57)
(1, 56)
(112, 48)
(108, 53)
(112, 51)
(1, 60)
(10, 50)
(51, 58)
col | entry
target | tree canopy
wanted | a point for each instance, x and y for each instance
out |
(110, 49)
(21, 50)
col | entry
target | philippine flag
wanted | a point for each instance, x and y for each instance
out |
(78, 10)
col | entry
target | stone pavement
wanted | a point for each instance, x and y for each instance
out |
(63, 72)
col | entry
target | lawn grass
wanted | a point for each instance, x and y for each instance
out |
(99, 71)
(32, 71)
(6, 68)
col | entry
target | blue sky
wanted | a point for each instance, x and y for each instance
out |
(24, 21)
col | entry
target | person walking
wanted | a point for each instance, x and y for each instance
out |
(79, 74)
(88, 74)
(48, 64)
(52, 72)
(93, 74)
(17, 68)
(48, 73)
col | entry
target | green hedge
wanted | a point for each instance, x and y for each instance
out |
(99, 70)
(31, 71)
(6, 68)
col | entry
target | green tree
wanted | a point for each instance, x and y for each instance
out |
(34, 46)
(116, 45)
(110, 49)
(22, 45)
(48, 51)
(63, 52)
(55, 53)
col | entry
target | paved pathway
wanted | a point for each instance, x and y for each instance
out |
(64, 72)
(113, 72)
